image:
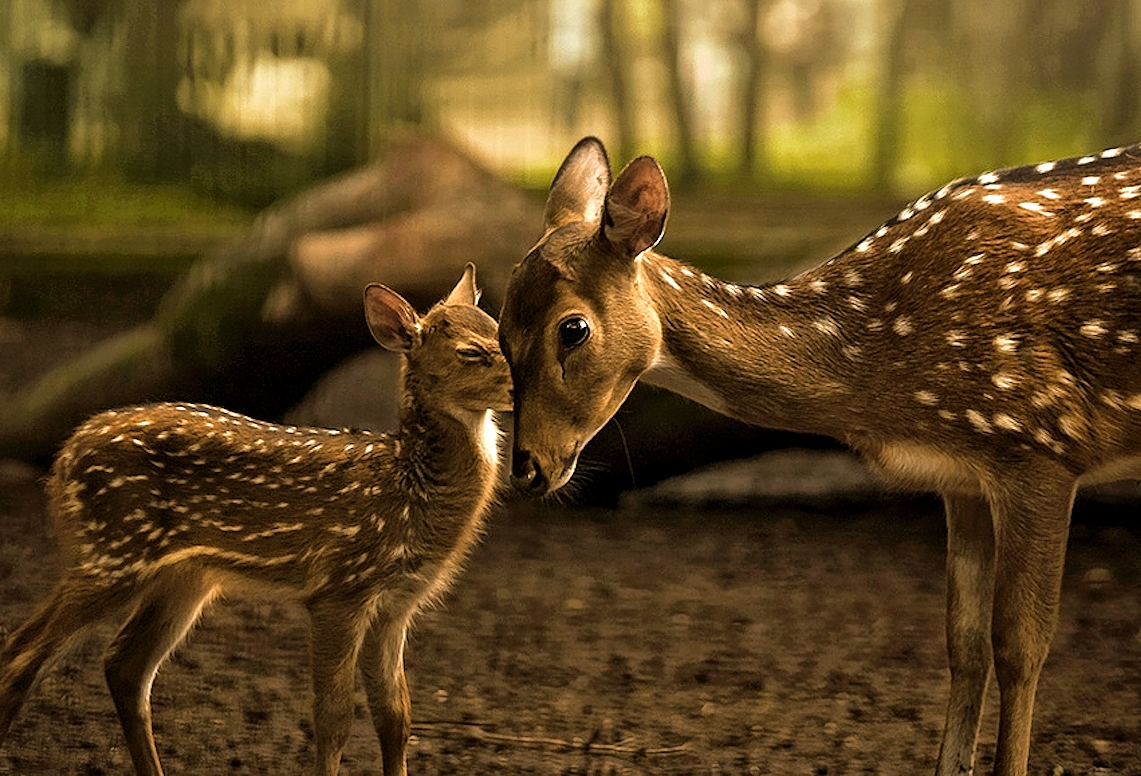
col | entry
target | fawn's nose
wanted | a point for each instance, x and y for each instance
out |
(526, 473)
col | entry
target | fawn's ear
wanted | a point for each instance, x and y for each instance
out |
(635, 213)
(465, 291)
(580, 185)
(393, 322)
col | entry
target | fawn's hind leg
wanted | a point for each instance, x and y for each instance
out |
(167, 609)
(76, 604)
(382, 668)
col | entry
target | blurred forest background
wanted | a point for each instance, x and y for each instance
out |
(247, 100)
(138, 137)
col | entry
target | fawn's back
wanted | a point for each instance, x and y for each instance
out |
(138, 489)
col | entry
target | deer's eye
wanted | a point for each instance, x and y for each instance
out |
(573, 331)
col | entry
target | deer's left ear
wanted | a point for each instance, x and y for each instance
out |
(634, 218)
(579, 187)
(465, 291)
(393, 322)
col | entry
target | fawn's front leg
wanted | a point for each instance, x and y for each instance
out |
(382, 668)
(338, 628)
(970, 596)
(169, 607)
(1030, 550)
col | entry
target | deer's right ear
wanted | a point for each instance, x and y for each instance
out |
(636, 207)
(579, 189)
(393, 322)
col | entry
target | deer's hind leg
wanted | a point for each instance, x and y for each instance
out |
(1031, 529)
(382, 669)
(76, 604)
(167, 609)
(970, 597)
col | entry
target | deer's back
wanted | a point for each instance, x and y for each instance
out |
(138, 489)
(1005, 304)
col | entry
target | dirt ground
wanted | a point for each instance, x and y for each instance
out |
(778, 640)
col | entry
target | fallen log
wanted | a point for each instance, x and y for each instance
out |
(253, 324)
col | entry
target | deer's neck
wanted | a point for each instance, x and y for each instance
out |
(746, 352)
(447, 451)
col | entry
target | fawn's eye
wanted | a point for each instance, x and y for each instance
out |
(473, 354)
(573, 331)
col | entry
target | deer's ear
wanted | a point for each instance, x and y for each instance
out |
(465, 291)
(393, 322)
(636, 207)
(579, 189)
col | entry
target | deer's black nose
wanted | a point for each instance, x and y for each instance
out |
(526, 473)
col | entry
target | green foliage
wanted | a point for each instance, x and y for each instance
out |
(833, 149)
(107, 201)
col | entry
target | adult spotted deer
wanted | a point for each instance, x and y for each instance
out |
(160, 509)
(984, 343)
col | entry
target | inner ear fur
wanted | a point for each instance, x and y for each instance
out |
(636, 207)
(392, 321)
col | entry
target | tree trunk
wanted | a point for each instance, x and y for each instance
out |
(1122, 104)
(153, 136)
(689, 170)
(617, 65)
(889, 100)
(753, 162)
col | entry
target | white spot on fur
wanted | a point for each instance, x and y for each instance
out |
(1004, 381)
(827, 325)
(926, 397)
(1006, 343)
(976, 419)
(1004, 421)
(1094, 328)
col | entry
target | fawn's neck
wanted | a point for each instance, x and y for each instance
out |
(439, 448)
(744, 352)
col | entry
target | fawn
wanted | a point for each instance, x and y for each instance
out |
(161, 508)
(984, 343)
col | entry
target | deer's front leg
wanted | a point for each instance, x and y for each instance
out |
(1030, 532)
(337, 630)
(382, 668)
(970, 595)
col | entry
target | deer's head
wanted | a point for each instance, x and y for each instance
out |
(575, 328)
(452, 351)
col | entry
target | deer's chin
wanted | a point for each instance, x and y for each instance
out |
(564, 476)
